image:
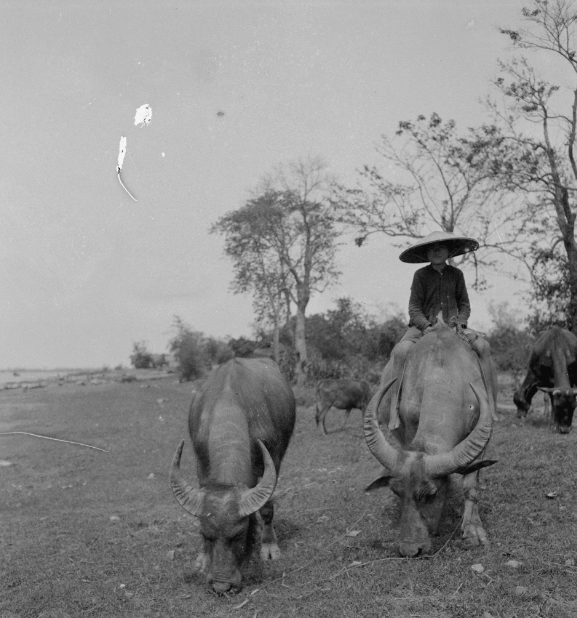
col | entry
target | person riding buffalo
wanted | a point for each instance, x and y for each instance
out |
(438, 289)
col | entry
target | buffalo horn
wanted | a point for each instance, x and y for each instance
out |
(469, 449)
(189, 498)
(251, 500)
(386, 454)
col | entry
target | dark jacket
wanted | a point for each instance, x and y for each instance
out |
(434, 291)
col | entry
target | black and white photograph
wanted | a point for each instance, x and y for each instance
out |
(289, 308)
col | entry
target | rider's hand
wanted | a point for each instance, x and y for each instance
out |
(427, 330)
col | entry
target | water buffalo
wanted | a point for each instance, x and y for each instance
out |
(445, 422)
(553, 370)
(343, 395)
(240, 424)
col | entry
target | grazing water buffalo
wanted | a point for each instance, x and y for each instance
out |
(343, 395)
(445, 422)
(553, 370)
(240, 424)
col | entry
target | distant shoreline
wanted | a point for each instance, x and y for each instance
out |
(30, 378)
(55, 370)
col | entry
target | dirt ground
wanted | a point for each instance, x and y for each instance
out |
(87, 532)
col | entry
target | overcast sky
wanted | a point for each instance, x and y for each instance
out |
(85, 271)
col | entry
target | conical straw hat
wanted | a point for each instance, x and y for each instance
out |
(458, 245)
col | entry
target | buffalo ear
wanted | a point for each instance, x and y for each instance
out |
(476, 465)
(382, 481)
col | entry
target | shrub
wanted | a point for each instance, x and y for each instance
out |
(195, 353)
(140, 358)
(510, 344)
(186, 346)
(242, 347)
(217, 351)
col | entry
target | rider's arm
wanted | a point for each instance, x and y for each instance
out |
(463, 305)
(417, 302)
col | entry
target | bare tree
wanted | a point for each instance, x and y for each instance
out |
(283, 244)
(432, 178)
(539, 120)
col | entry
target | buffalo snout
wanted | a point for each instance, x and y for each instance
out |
(413, 550)
(222, 586)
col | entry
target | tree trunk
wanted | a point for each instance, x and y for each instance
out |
(275, 343)
(300, 346)
(571, 249)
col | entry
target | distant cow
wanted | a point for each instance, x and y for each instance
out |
(446, 413)
(240, 424)
(343, 395)
(553, 370)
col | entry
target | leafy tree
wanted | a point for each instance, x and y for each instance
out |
(339, 333)
(257, 267)
(187, 347)
(550, 296)
(348, 342)
(217, 351)
(510, 343)
(282, 243)
(242, 347)
(540, 124)
(141, 358)
(432, 178)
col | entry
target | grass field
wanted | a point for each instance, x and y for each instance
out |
(89, 533)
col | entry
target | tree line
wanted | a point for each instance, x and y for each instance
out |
(343, 342)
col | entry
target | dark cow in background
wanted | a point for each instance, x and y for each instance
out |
(553, 370)
(240, 424)
(342, 395)
(445, 422)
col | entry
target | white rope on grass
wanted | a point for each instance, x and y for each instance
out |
(25, 433)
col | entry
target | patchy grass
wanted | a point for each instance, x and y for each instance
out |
(87, 533)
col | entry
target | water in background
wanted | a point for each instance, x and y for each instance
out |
(24, 375)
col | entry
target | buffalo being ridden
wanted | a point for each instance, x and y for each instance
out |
(553, 370)
(445, 411)
(240, 424)
(342, 394)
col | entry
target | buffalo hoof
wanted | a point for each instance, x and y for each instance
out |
(269, 551)
(474, 535)
(563, 429)
(201, 563)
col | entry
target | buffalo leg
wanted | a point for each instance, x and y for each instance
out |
(346, 418)
(269, 548)
(202, 562)
(472, 527)
(321, 415)
(524, 394)
(323, 418)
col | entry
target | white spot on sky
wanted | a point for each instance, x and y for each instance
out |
(143, 115)
(121, 153)
(471, 24)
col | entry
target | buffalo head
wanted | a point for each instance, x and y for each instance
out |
(421, 480)
(227, 518)
(563, 402)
